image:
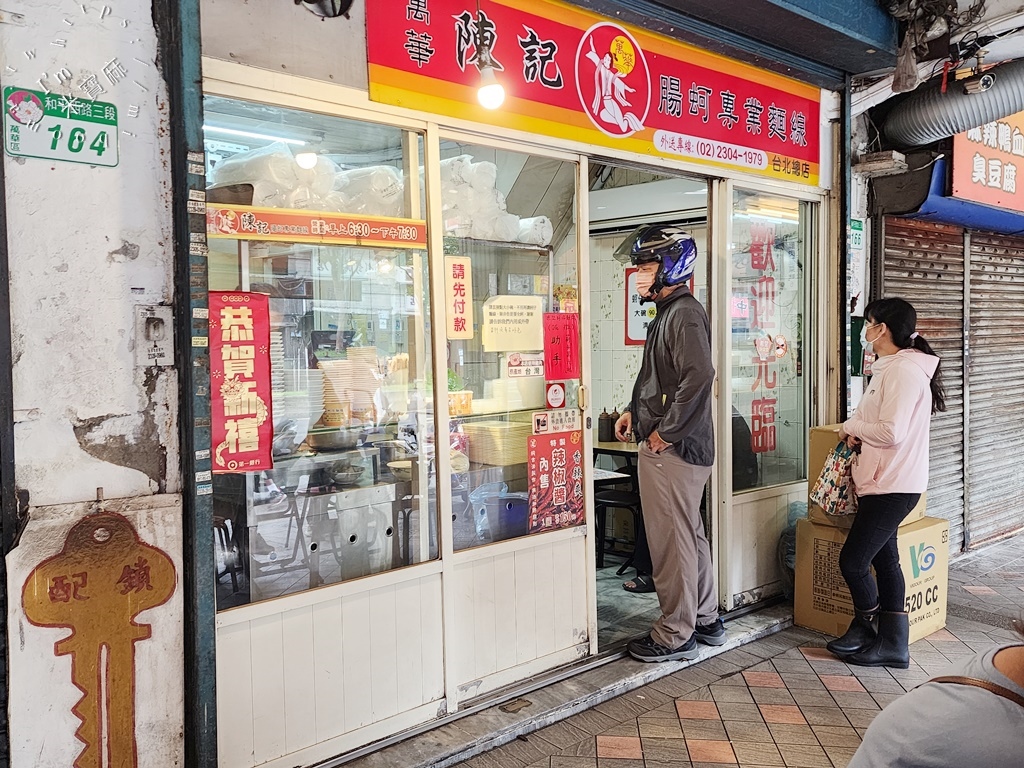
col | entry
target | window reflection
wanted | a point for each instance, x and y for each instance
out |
(767, 311)
(352, 491)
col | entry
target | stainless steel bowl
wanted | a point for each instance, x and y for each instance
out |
(333, 439)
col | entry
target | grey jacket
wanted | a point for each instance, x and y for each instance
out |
(672, 393)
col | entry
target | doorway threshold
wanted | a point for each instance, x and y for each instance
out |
(543, 701)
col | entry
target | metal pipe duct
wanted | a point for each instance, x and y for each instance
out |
(931, 115)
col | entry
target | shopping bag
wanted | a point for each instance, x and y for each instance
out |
(834, 491)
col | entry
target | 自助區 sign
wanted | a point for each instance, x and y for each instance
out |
(243, 222)
(986, 161)
(570, 74)
(55, 127)
(242, 424)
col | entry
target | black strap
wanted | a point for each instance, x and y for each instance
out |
(991, 687)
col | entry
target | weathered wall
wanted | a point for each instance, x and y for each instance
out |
(87, 245)
(42, 724)
(285, 37)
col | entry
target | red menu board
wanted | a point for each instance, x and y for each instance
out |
(561, 346)
(240, 405)
(556, 480)
(572, 74)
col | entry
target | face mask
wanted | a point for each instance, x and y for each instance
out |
(867, 346)
(644, 283)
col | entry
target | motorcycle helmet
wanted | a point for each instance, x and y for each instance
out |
(670, 245)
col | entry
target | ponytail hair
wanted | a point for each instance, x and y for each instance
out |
(900, 318)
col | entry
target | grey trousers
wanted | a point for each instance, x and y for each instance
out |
(670, 492)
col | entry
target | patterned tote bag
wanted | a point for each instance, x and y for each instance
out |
(834, 491)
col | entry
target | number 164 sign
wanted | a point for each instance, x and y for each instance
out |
(56, 127)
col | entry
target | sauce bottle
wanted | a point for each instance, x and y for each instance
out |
(605, 427)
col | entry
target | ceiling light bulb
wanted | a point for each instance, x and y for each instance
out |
(306, 160)
(491, 93)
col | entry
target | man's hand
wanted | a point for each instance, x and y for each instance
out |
(656, 444)
(624, 428)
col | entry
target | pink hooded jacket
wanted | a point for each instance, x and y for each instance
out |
(893, 421)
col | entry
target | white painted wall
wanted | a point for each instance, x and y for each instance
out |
(88, 244)
(285, 37)
(41, 724)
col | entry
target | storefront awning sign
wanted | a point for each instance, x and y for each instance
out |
(571, 74)
(986, 161)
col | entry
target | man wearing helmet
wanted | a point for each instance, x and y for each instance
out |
(670, 416)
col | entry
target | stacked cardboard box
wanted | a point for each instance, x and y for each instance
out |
(822, 441)
(823, 600)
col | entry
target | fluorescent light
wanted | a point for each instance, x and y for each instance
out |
(250, 135)
(697, 192)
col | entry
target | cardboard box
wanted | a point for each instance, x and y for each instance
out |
(620, 526)
(823, 600)
(822, 441)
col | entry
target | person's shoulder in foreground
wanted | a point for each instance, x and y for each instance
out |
(947, 725)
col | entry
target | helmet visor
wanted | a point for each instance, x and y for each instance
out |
(630, 252)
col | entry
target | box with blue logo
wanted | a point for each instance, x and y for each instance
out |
(822, 600)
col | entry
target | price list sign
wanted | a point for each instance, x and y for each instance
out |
(55, 127)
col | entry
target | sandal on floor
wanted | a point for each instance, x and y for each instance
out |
(642, 584)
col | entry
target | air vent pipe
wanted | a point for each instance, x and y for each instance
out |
(931, 115)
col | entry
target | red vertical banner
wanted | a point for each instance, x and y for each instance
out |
(240, 405)
(556, 480)
(561, 346)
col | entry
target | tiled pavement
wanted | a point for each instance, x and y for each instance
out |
(988, 585)
(780, 702)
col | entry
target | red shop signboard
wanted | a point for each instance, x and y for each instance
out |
(240, 401)
(571, 74)
(556, 480)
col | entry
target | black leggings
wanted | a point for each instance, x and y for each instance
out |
(872, 541)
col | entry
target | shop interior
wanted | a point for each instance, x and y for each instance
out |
(622, 199)
(353, 491)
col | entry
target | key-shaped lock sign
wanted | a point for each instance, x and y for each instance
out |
(102, 579)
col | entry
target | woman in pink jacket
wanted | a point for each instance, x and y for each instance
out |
(890, 429)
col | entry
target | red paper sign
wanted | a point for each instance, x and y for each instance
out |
(556, 481)
(571, 75)
(986, 160)
(240, 406)
(242, 222)
(561, 346)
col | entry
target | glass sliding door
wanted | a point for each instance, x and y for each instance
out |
(767, 325)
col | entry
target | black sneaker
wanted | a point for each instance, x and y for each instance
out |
(648, 649)
(711, 634)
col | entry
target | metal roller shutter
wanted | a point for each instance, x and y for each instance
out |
(924, 264)
(995, 480)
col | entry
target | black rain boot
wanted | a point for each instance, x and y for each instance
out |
(860, 636)
(892, 646)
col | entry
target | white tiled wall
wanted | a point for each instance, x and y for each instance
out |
(615, 365)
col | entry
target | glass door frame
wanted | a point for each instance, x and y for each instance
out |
(449, 558)
(724, 527)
